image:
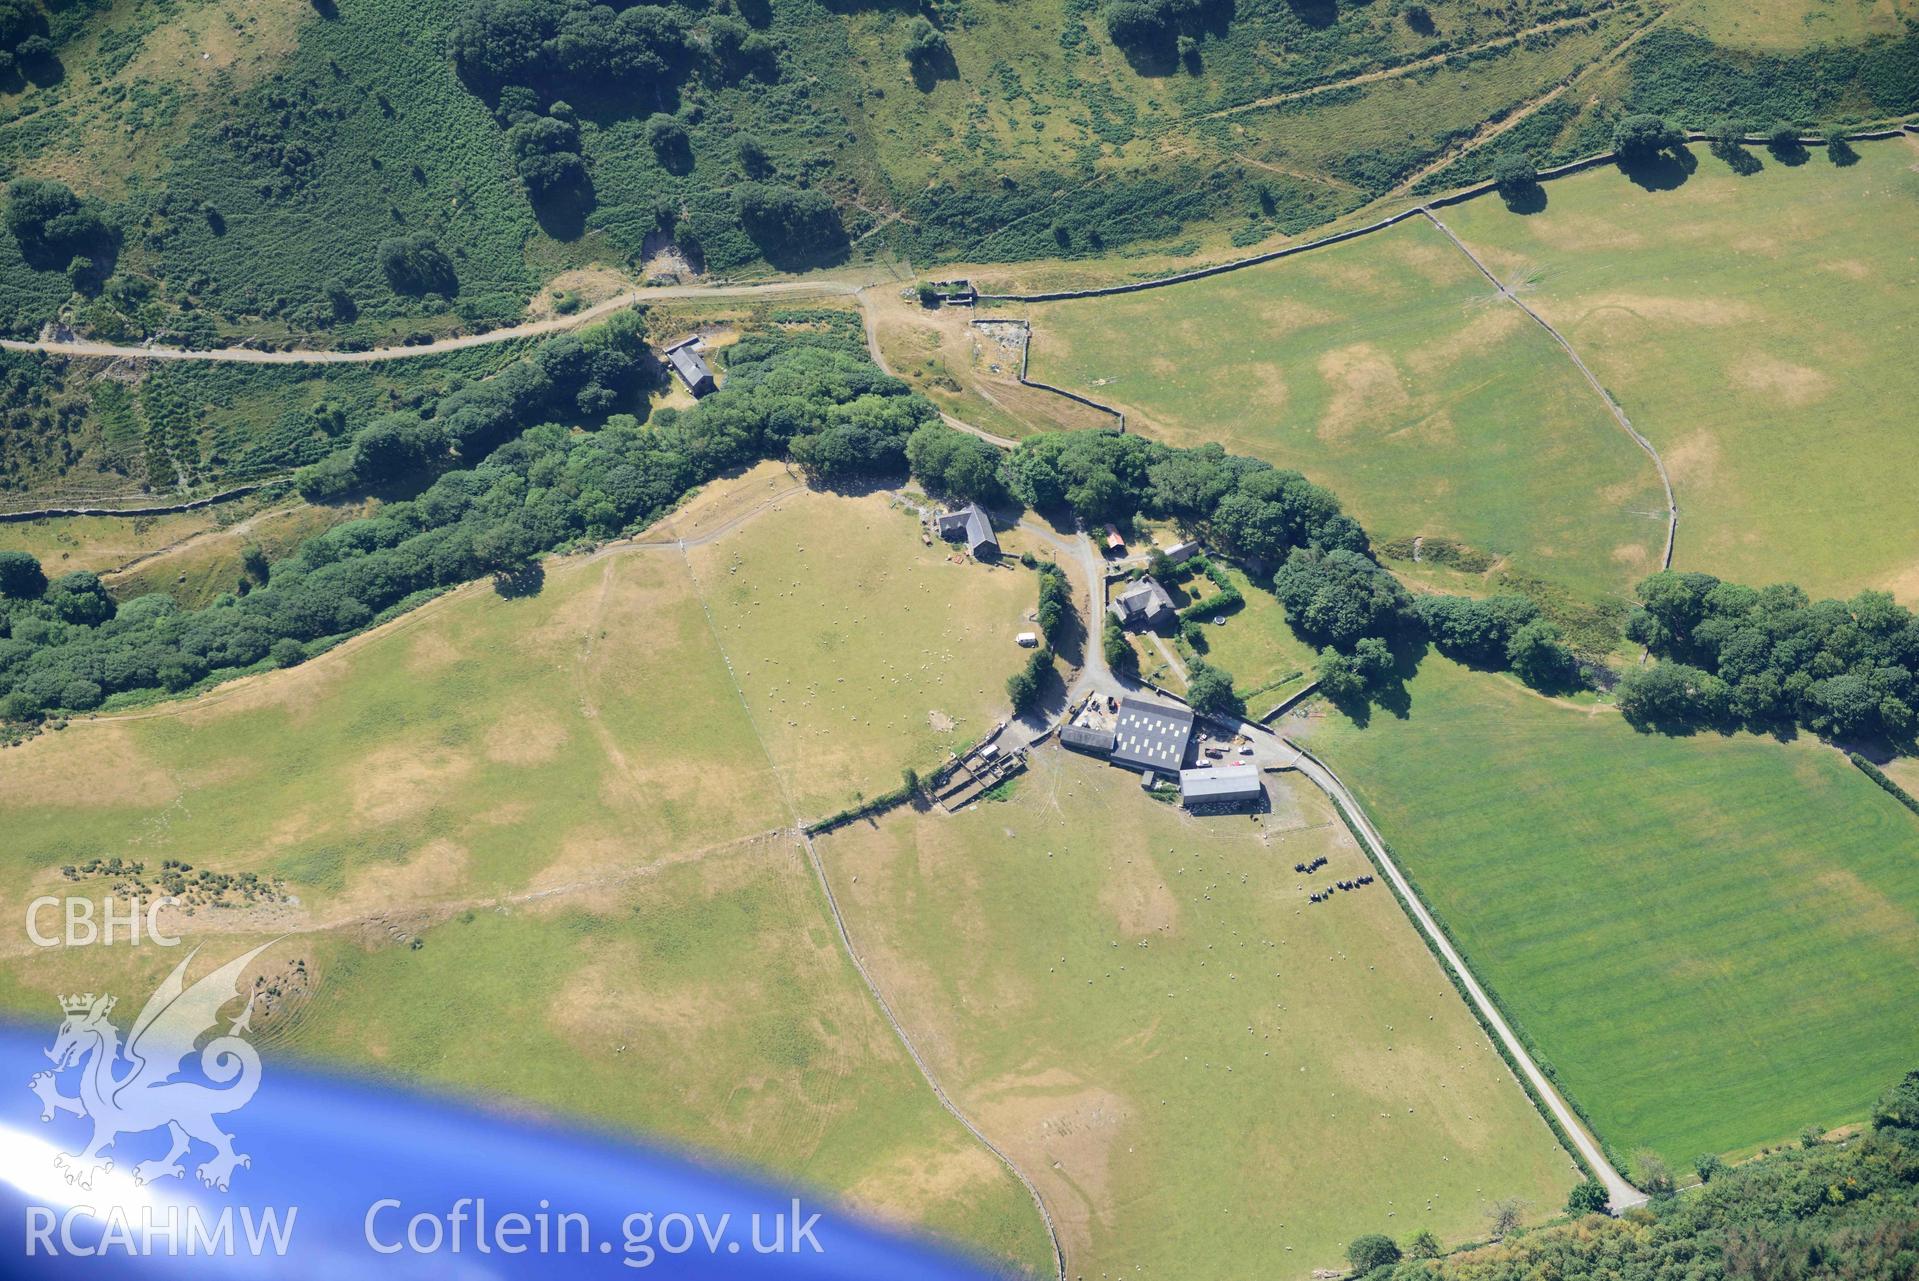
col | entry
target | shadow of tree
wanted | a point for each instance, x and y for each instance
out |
(1663, 171)
(521, 581)
(932, 67)
(1526, 200)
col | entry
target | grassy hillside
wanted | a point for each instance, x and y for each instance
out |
(1387, 370)
(256, 156)
(1204, 1074)
(858, 650)
(1756, 329)
(1713, 940)
(530, 848)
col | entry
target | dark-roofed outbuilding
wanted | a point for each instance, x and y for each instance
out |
(1151, 735)
(1084, 738)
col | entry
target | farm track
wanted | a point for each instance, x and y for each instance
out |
(374, 355)
(1401, 71)
(845, 933)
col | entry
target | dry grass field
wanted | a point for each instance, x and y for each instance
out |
(534, 849)
(1388, 370)
(1758, 329)
(1205, 1075)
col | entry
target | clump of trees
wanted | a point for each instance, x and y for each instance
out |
(1340, 597)
(1642, 139)
(55, 227)
(417, 265)
(955, 464)
(1148, 31)
(640, 51)
(1500, 632)
(1771, 658)
(791, 225)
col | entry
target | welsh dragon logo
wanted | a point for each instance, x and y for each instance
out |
(131, 1089)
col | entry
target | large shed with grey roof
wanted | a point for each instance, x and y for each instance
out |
(1151, 735)
(1220, 785)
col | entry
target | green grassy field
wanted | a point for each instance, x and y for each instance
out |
(1713, 940)
(858, 649)
(1756, 329)
(1259, 648)
(1205, 1075)
(200, 568)
(1388, 371)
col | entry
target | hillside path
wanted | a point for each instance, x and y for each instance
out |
(528, 329)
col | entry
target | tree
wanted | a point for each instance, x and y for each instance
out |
(1587, 1197)
(1119, 652)
(1339, 677)
(1643, 138)
(21, 577)
(1422, 1245)
(1706, 1165)
(925, 43)
(1373, 1250)
(668, 138)
(1783, 142)
(1537, 655)
(1419, 18)
(754, 161)
(910, 781)
(417, 265)
(1210, 690)
(1504, 1215)
(80, 597)
(1652, 1173)
(1515, 175)
(790, 223)
(1897, 1111)
(1838, 150)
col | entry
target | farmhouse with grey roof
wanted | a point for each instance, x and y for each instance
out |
(1220, 785)
(690, 367)
(969, 525)
(1149, 736)
(1144, 604)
